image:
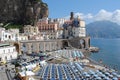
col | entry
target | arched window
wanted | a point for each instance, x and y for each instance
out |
(24, 45)
(5, 57)
(82, 43)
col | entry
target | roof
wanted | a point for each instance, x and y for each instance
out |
(4, 44)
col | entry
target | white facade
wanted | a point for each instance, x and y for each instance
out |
(28, 29)
(79, 32)
(48, 35)
(23, 37)
(66, 35)
(9, 35)
(59, 34)
(44, 20)
(82, 23)
(7, 53)
(75, 28)
(60, 21)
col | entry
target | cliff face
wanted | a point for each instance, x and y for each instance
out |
(22, 11)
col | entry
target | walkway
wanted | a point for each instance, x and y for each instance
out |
(3, 75)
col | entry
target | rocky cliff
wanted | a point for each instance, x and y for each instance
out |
(22, 11)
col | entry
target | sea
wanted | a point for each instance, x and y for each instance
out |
(109, 52)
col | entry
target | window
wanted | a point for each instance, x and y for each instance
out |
(3, 51)
(24, 45)
(5, 57)
(31, 46)
(11, 56)
(5, 36)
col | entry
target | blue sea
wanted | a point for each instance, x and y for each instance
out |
(109, 52)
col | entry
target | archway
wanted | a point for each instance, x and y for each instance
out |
(82, 43)
(89, 42)
(9, 37)
(17, 47)
(65, 44)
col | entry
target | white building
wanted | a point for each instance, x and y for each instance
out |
(44, 20)
(33, 30)
(50, 30)
(23, 37)
(60, 21)
(7, 52)
(9, 35)
(59, 33)
(79, 30)
(74, 28)
(46, 35)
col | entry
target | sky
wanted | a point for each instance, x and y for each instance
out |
(89, 10)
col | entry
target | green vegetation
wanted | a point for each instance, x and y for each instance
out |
(38, 0)
(35, 0)
(13, 26)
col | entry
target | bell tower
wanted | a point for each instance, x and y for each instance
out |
(71, 16)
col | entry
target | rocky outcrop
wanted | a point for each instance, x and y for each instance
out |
(22, 11)
(93, 49)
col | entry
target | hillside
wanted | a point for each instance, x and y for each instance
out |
(103, 29)
(22, 11)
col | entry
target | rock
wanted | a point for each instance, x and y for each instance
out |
(93, 49)
(22, 11)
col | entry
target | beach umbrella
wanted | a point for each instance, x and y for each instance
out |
(98, 78)
(91, 72)
(115, 78)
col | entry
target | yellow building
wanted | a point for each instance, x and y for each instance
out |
(28, 29)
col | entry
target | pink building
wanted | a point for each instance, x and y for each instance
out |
(42, 26)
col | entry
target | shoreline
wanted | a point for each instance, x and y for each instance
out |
(88, 53)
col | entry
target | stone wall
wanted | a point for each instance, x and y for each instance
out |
(80, 43)
(51, 45)
(40, 46)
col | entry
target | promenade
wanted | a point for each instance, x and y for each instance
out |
(7, 73)
(3, 75)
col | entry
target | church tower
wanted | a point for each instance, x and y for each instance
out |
(71, 16)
